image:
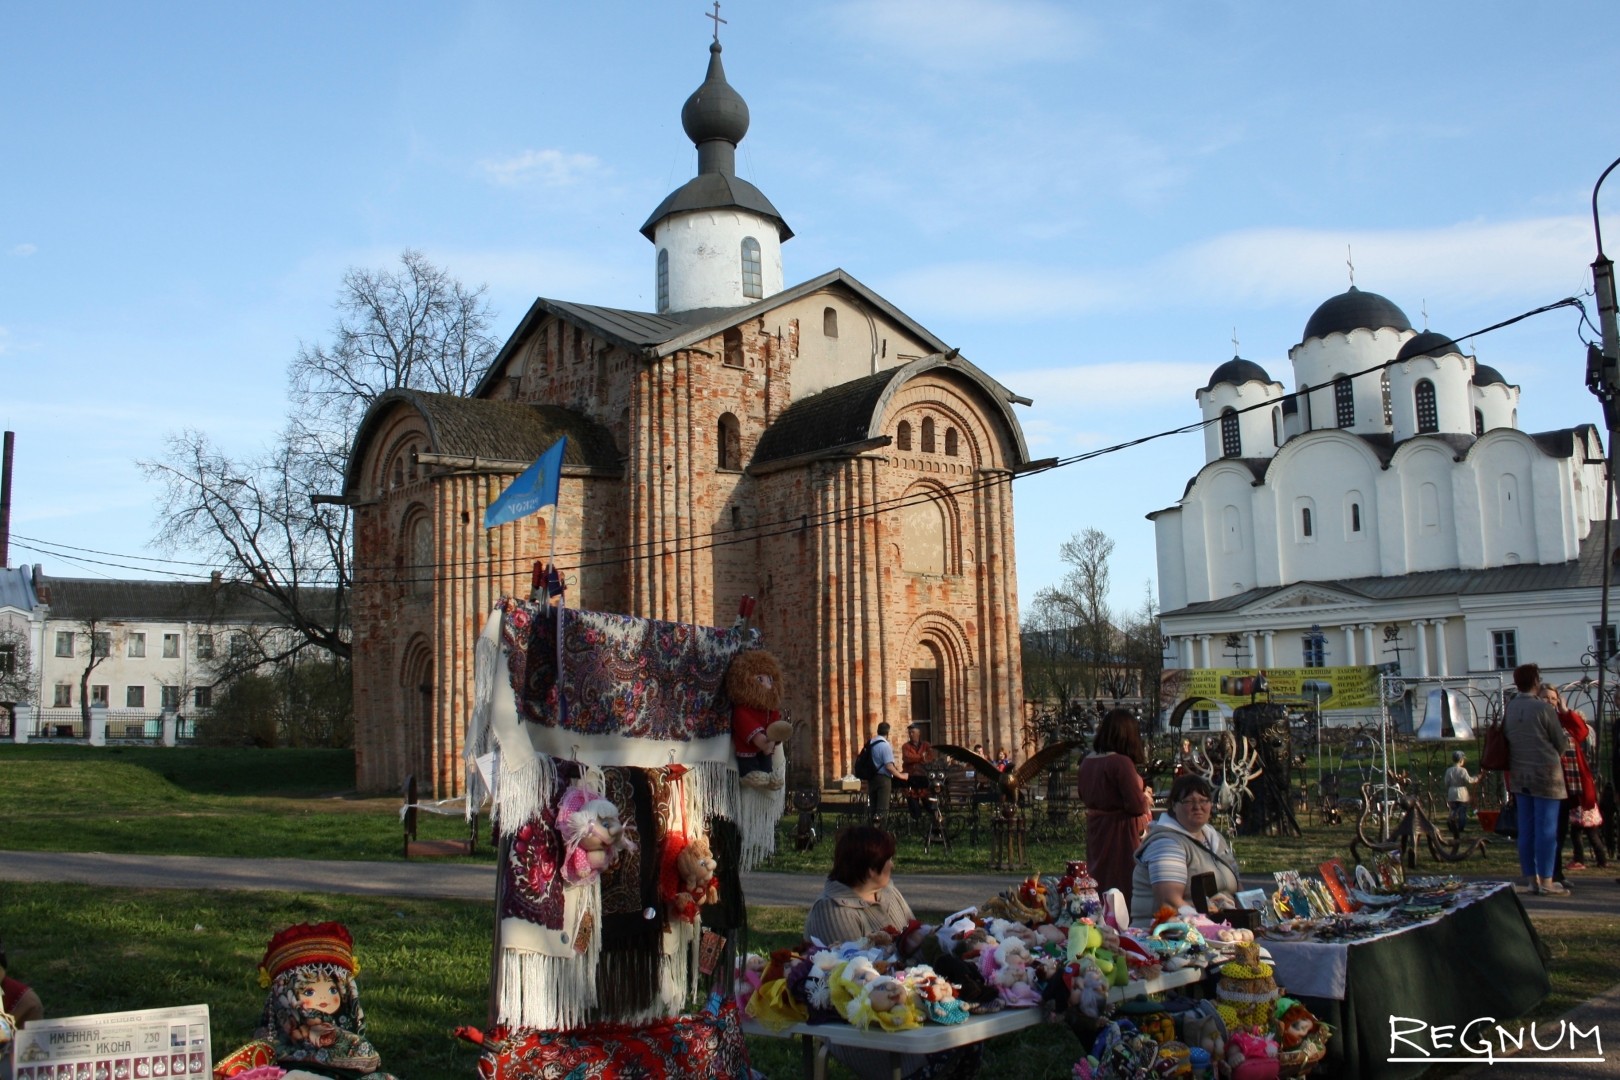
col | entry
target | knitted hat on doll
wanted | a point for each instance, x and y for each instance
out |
(306, 943)
(1246, 996)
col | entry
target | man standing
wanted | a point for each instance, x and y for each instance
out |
(888, 771)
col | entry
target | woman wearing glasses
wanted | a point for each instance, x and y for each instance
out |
(1179, 846)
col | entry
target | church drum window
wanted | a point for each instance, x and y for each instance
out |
(1276, 425)
(753, 282)
(1428, 413)
(1355, 517)
(1305, 527)
(950, 442)
(663, 279)
(1231, 437)
(928, 435)
(902, 435)
(1479, 422)
(1344, 401)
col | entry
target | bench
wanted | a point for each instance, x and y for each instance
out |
(432, 849)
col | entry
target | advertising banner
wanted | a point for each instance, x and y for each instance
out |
(1332, 687)
(152, 1044)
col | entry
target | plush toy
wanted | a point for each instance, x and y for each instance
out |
(686, 876)
(754, 684)
(1008, 968)
(592, 834)
(1252, 1057)
(936, 994)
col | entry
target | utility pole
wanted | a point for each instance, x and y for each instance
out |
(1603, 380)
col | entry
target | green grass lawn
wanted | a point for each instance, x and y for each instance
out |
(201, 801)
(425, 967)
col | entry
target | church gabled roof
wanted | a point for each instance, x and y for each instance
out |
(849, 416)
(492, 430)
(660, 335)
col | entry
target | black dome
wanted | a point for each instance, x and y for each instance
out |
(715, 110)
(1428, 343)
(1238, 371)
(1355, 310)
(1485, 375)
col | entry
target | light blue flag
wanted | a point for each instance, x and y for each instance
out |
(534, 490)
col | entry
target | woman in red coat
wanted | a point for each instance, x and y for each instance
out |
(1117, 804)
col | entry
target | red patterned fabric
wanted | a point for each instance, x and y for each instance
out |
(703, 1045)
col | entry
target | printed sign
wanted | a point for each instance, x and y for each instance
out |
(1333, 687)
(152, 1044)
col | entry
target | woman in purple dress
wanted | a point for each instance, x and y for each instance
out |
(1117, 804)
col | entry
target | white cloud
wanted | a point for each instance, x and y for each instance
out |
(544, 168)
(1455, 264)
(22, 251)
(965, 33)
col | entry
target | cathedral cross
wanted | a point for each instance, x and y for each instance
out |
(1349, 259)
(1234, 341)
(717, 21)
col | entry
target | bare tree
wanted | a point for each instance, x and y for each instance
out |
(93, 640)
(415, 326)
(1051, 666)
(16, 673)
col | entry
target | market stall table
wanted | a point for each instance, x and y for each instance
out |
(1480, 958)
(933, 1038)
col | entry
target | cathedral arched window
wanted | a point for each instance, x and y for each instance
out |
(1428, 414)
(1231, 437)
(928, 435)
(829, 322)
(729, 442)
(417, 562)
(752, 281)
(1344, 402)
(927, 533)
(663, 279)
(902, 435)
(732, 348)
(1305, 407)
(1383, 393)
(950, 442)
(398, 473)
(1306, 510)
(1276, 425)
(1479, 422)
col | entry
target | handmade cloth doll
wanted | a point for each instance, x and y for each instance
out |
(687, 876)
(312, 1016)
(593, 836)
(754, 683)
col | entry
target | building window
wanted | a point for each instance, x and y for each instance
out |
(135, 697)
(1305, 407)
(1604, 642)
(1231, 438)
(729, 441)
(205, 646)
(928, 435)
(950, 442)
(663, 279)
(1504, 649)
(1383, 395)
(1276, 425)
(1428, 414)
(239, 645)
(64, 643)
(1200, 719)
(8, 659)
(171, 698)
(1306, 526)
(1344, 402)
(63, 696)
(1313, 647)
(829, 322)
(1355, 517)
(98, 696)
(171, 646)
(902, 435)
(202, 697)
(101, 643)
(753, 282)
(731, 350)
(136, 646)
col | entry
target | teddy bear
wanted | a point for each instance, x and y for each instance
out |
(687, 876)
(593, 836)
(754, 684)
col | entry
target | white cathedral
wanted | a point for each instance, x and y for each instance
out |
(1381, 513)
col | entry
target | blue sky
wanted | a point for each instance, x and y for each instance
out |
(1088, 200)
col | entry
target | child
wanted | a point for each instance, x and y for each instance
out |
(312, 1017)
(1457, 780)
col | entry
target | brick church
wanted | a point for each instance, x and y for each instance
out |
(812, 446)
